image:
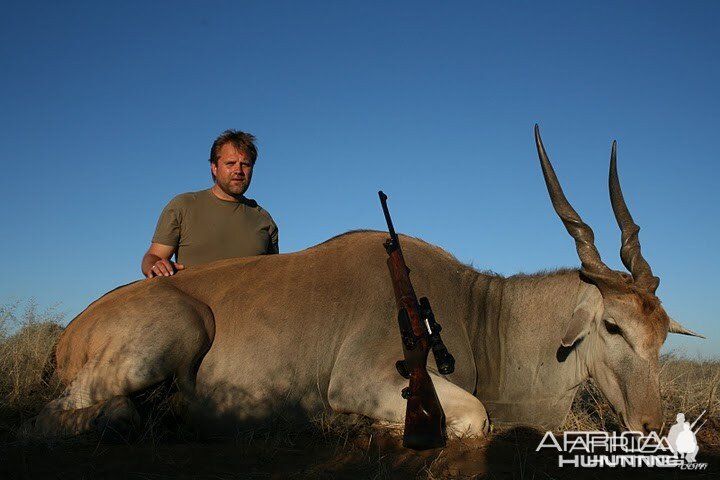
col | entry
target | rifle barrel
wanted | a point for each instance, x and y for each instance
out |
(696, 420)
(391, 229)
(701, 425)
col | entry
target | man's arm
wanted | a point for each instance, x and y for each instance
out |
(274, 241)
(273, 247)
(156, 261)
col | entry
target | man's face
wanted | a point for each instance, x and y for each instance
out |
(233, 171)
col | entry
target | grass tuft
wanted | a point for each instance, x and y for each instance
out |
(27, 337)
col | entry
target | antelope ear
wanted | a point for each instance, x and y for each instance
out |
(588, 309)
(578, 328)
(675, 327)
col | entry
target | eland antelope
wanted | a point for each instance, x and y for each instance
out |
(301, 333)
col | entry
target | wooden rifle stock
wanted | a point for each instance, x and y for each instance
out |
(424, 416)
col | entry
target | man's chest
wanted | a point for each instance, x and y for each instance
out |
(228, 232)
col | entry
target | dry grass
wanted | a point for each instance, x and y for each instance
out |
(687, 386)
(26, 340)
(336, 446)
(691, 387)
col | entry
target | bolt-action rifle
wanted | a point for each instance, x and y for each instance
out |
(424, 416)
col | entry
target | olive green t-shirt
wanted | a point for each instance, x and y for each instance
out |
(204, 228)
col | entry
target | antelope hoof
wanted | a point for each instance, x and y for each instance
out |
(118, 421)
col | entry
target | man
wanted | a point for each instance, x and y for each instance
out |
(220, 222)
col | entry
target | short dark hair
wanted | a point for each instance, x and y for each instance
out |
(242, 141)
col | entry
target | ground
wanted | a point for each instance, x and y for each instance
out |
(362, 452)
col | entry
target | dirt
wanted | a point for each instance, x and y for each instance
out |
(370, 453)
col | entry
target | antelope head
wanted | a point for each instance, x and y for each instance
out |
(617, 314)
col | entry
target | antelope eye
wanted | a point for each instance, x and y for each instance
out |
(612, 328)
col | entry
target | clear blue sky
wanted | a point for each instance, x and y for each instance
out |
(107, 110)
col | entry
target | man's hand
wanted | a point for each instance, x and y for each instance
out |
(157, 263)
(164, 268)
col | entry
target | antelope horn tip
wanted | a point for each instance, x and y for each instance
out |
(676, 327)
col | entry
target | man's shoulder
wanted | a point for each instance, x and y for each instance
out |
(261, 211)
(188, 198)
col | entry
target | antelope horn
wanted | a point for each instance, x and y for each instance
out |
(630, 249)
(675, 327)
(592, 265)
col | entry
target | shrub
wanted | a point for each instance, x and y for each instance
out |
(26, 340)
